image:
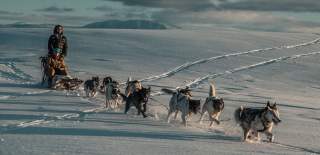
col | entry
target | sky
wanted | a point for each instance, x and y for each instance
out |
(270, 15)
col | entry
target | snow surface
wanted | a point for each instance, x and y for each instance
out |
(247, 67)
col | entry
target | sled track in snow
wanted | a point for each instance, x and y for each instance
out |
(9, 71)
(294, 148)
(196, 82)
(200, 61)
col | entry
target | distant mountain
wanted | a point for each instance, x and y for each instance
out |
(127, 24)
(25, 25)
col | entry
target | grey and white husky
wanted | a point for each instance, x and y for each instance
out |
(255, 120)
(181, 101)
(213, 105)
(114, 98)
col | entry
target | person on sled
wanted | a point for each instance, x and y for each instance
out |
(57, 51)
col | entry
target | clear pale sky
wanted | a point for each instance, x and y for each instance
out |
(279, 13)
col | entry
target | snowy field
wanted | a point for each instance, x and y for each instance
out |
(248, 68)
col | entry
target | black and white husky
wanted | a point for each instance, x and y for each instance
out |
(213, 105)
(254, 120)
(91, 86)
(132, 86)
(139, 99)
(180, 101)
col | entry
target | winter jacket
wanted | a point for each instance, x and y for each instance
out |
(57, 43)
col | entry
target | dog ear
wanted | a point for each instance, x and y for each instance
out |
(129, 79)
(268, 104)
(274, 105)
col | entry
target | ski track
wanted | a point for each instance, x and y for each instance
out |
(200, 61)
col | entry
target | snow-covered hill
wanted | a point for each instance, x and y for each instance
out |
(247, 67)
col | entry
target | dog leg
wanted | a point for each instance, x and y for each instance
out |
(245, 134)
(143, 114)
(176, 114)
(184, 115)
(87, 92)
(258, 136)
(201, 118)
(214, 120)
(107, 106)
(270, 136)
(217, 121)
(253, 135)
(139, 107)
(127, 107)
(204, 111)
(94, 93)
(168, 117)
(211, 124)
(144, 107)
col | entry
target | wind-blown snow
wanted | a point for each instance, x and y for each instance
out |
(248, 68)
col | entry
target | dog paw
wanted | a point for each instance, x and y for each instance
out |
(271, 139)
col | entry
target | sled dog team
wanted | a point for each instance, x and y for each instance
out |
(253, 121)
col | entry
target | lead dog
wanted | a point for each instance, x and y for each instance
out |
(213, 106)
(254, 120)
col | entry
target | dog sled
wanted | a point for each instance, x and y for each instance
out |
(55, 76)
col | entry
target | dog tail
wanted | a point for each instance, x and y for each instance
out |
(212, 91)
(168, 91)
(237, 114)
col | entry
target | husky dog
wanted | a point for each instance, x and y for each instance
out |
(112, 93)
(138, 99)
(132, 86)
(180, 101)
(213, 106)
(91, 86)
(66, 82)
(105, 81)
(254, 120)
